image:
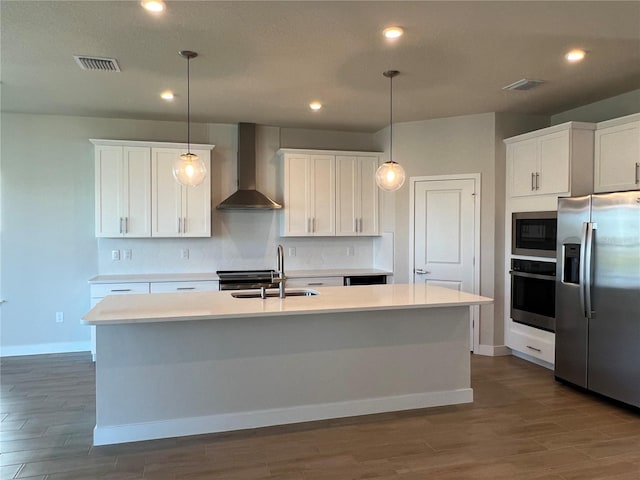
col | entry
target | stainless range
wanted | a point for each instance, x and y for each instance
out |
(247, 279)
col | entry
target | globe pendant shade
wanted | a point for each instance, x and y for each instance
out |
(189, 170)
(390, 176)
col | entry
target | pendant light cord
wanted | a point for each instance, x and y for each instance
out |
(189, 105)
(391, 118)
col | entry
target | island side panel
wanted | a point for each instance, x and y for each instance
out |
(167, 379)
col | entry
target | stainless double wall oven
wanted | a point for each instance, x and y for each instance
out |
(533, 279)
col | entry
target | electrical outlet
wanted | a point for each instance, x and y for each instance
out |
(59, 317)
(115, 255)
(184, 253)
(292, 251)
(127, 254)
(351, 251)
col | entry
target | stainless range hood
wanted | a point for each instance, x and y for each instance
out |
(247, 197)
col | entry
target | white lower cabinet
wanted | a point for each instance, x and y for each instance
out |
(310, 282)
(101, 290)
(177, 287)
(531, 341)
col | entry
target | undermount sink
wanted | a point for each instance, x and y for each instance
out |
(274, 293)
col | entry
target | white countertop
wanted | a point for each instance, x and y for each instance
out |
(171, 307)
(212, 276)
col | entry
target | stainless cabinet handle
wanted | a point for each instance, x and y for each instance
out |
(315, 284)
(313, 224)
(637, 172)
(186, 288)
(126, 224)
(533, 179)
(534, 349)
(308, 226)
(360, 225)
(420, 271)
(120, 224)
(355, 225)
(179, 225)
(184, 225)
(121, 290)
(537, 181)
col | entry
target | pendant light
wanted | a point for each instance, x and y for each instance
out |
(390, 175)
(188, 168)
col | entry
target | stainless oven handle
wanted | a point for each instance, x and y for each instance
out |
(532, 275)
(587, 269)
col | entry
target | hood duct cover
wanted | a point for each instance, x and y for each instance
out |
(247, 197)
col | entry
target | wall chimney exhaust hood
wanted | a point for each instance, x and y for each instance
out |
(247, 197)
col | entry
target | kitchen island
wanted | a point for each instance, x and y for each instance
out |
(188, 363)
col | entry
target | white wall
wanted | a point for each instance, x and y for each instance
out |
(614, 107)
(49, 250)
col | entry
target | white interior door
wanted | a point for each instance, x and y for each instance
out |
(444, 234)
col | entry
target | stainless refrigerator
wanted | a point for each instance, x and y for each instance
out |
(598, 294)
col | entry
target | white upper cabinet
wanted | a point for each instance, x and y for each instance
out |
(551, 161)
(309, 195)
(617, 155)
(122, 191)
(356, 195)
(178, 210)
(137, 196)
(329, 193)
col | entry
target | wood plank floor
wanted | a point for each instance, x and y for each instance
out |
(522, 425)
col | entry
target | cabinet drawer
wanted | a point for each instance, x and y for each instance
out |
(314, 282)
(536, 347)
(104, 289)
(168, 287)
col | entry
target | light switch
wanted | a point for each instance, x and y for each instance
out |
(115, 255)
(292, 251)
(127, 254)
(184, 253)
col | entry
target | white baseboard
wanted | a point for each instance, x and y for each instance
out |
(107, 435)
(43, 348)
(492, 350)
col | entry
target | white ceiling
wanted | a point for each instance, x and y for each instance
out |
(264, 61)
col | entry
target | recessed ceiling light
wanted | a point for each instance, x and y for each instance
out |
(575, 55)
(155, 6)
(167, 95)
(315, 106)
(393, 32)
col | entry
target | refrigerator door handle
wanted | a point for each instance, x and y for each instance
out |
(587, 268)
(581, 273)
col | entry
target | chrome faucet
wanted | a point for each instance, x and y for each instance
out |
(281, 278)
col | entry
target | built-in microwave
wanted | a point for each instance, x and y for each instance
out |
(534, 233)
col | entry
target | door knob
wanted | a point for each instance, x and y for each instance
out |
(420, 271)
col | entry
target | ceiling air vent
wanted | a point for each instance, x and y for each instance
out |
(524, 84)
(97, 63)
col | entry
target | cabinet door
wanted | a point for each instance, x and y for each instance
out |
(196, 203)
(166, 195)
(356, 196)
(322, 195)
(348, 197)
(554, 168)
(295, 215)
(108, 191)
(137, 192)
(368, 224)
(522, 158)
(617, 158)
